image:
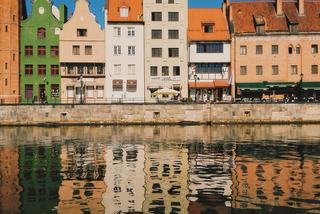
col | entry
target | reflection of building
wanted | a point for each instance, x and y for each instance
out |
(210, 177)
(166, 53)
(82, 57)
(83, 171)
(125, 179)
(279, 176)
(11, 13)
(209, 54)
(39, 177)
(40, 77)
(166, 170)
(124, 51)
(9, 180)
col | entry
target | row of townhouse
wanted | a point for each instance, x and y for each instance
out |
(154, 49)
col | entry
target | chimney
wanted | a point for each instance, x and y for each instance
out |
(301, 7)
(279, 8)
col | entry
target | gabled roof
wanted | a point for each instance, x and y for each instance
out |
(244, 13)
(135, 10)
(200, 16)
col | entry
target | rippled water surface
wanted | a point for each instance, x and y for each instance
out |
(161, 169)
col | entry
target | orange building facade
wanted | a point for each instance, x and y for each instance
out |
(10, 13)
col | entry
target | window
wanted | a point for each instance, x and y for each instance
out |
(71, 69)
(42, 70)
(28, 50)
(156, 52)
(41, 50)
(259, 70)
(176, 70)
(208, 28)
(54, 70)
(76, 50)
(275, 49)
(88, 50)
(314, 69)
(243, 70)
(100, 69)
(90, 69)
(131, 85)
(275, 70)
(173, 16)
(156, 34)
(41, 33)
(100, 91)
(170, 1)
(54, 51)
(243, 50)
(156, 16)
(117, 85)
(6, 82)
(14, 57)
(165, 71)
(28, 91)
(206, 68)
(158, 1)
(28, 69)
(153, 71)
(124, 12)
(290, 50)
(131, 31)
(82, 32)
(117, 69)
(131, 50)
(259, 49)
(298, 50)
(117, 50)
(90, 91)
(116, 31)
(131, 69)
(314, 49)
(294, 69)
(173, 34)
(209, 47)
(70, 91)
(173, 52)
(6, 65)
(54, 90)
(80, 69)
(13, 18)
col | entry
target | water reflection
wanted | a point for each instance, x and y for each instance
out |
(162, 169)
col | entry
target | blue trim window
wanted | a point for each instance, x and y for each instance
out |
(210, 48)
(204, 68)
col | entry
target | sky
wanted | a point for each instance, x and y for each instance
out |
(97, 6)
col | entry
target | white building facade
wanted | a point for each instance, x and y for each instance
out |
(124, 52)
(166, 57)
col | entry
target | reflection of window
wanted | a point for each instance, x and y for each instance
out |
(100, 91)
(41, 33)
(28, 91)
(70, 90)
(54, 90)
(90, 90)
(294, 69)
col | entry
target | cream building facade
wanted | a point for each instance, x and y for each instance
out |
(82, 57)
(166, 52)
(124, 51)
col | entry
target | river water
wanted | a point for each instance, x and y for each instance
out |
(160, 169)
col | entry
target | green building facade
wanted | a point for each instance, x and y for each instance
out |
(39, 71)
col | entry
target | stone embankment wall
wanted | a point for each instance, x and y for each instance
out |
(159, 114)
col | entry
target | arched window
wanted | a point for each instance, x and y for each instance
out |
(290, 49)
(298, 49)
(41, 33)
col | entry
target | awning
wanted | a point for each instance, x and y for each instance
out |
(252, 86)
(265, 85)
(280, 84)
(117, 84)
(132, 84)
(211, 84)
(311, 85)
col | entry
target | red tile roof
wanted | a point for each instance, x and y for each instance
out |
(135, 10)
(199, 16)
(243, 16)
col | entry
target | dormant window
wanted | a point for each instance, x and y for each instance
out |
(208, 27)
(124, 12)
(82, 32)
